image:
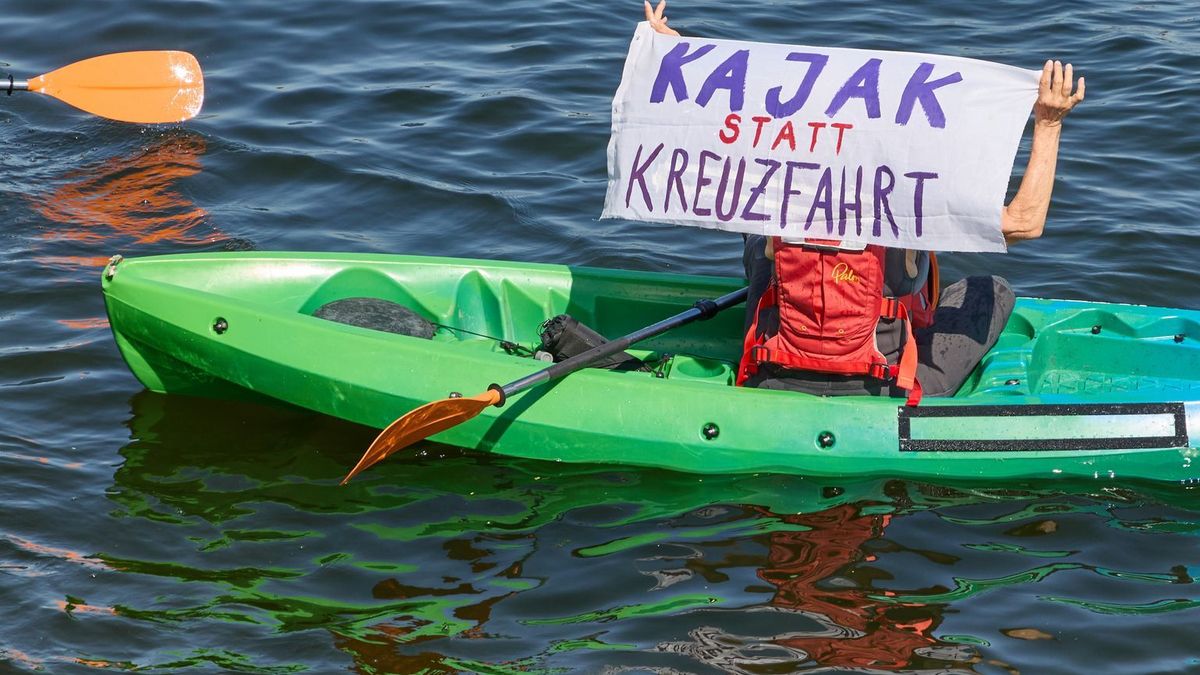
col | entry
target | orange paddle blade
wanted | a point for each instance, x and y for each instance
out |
(422, 423)
(142, 87)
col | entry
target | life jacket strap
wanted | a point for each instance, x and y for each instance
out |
(890, 308)
(906, 370)
(760, 354)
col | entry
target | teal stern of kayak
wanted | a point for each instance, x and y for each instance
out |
(1071, 389)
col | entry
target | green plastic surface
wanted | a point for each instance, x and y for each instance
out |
(1072, 388)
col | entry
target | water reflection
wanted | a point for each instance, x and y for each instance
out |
(132, 199)
(827, 610)
(817, 571)
(446, 560)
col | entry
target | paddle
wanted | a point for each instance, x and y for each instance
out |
(142, 87)
(439, 416)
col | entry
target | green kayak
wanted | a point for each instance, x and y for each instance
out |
(1071, 389)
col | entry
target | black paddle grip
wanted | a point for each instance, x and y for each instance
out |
(708, 309)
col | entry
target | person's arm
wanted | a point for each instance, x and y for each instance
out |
(1025, 216)
(658, 22)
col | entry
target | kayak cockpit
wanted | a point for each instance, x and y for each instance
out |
(1048, 348)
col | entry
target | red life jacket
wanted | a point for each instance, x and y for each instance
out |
(830, 300)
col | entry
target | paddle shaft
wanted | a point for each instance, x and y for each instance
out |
(15, 85)
(705, 309)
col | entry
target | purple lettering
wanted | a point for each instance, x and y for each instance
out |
(856, 206)
(823, 200)
(675, 178)
(816, 63)
(787, 188)
(918, 89)
(639, 175)
(730, 75)
(670, 72)
(881, 200)
(864, 84)
(756, 192)
(737, 189)
(701, 181)
(919, 194)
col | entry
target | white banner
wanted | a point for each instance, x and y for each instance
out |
(895, 148)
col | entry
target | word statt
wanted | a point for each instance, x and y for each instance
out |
(900, 149)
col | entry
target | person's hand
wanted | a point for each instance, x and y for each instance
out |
(658, 22)
(1055, 99)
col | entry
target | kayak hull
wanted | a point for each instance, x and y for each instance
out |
(1072, 388)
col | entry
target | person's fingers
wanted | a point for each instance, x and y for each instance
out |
(1068, 80)
(1047, 70)
(1079, 92)
(649, 11)
(658, 11)
(1056, 82)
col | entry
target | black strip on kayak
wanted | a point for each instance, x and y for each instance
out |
(910, 444)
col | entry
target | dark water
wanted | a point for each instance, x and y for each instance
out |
(157, 534)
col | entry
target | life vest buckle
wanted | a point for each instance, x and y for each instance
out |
(890, 308)
(882, 371)
(759, 355)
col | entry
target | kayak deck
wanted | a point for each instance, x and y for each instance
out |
(1071, 387)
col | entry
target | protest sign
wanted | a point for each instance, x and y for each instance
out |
(894, 148)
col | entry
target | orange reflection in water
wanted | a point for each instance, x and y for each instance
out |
(83, 608)
(131, 199)
(101, 663)
(74, 261)
(40, 459)
(56, 552)
(85, 324)
(865, 632)
(383, 648)
(13, 654)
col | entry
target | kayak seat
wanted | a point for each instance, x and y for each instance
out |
(377, 314)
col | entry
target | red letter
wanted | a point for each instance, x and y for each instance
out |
(816, 126)
(786, 133)
(731, 123)
(758, 130)
(841, 127)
